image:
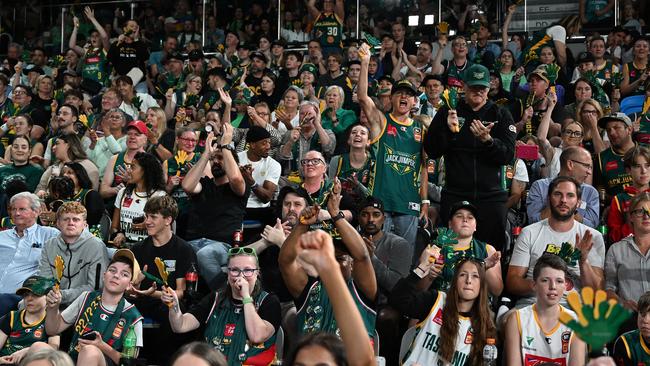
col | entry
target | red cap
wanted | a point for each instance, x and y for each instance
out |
(138, 125)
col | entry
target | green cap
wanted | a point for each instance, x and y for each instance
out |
(309, 68)
(37, 285)
(477, 75)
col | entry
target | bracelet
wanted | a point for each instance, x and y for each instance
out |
(423, 273)
(247, 300)
(254, 186)
(426, 202)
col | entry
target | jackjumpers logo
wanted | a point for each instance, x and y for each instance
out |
(400, 162)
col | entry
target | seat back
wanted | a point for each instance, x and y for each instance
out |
(407, 339)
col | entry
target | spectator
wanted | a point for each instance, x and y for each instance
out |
(482, 144)
(178, 257)
(627, 258)
(84, 192)
(287, 116)
(328, 24)
(310, 136)
(20, 167)
(528, 110)
(582, 90)
(21, 247)
(315, 312)
(480, 50)
(572, 136)
(121, 272)
(145, 180)
(218, 197)
(116, 168)
(399, 140)
(107, 140)
(629, 347)
(512, 75)
(156, 59)
(610, 173)
(173, 76)
(160, 136)
(63, 123)
(195, 352)
(441, 319)
(554, 36)
(452, 70)
(187, 35)
(21, 97)
(588, 113)
(134, 104)
(433, 88)
(575, 162)
(637, 165)
(261, 172)
(334, 74)
(354, 168)
(548, 235)
(67, 148)
(258, 116)
(270, 93)
(186, 100)
(84, 255)
(129, 54)
(23, 331)
(526, 339)
(596, 14)
(247, 314)
(335, 118)
(636, 72)
(258, 63)
(23, 125)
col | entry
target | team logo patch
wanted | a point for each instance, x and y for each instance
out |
(117, 332)
(479, 75)
(391, 130)
(438, 318)
(611, 165)
(103, 317)
(529, 340)
(38, 333)
(417, 134)
(512, 129)
(229, 330)
(469, 337)
(566, 336)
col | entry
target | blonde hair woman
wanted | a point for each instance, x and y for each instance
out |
(161, 139)
(588, 113)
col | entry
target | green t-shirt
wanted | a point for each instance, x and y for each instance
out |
(328, 30)
(30, 174)
(21, 335)
(611, 172)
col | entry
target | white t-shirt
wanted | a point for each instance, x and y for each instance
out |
(147, 102)
(131, 207)
(521, 173)
(538, 238)
(295, 121)
(70, 314)
(266, 169)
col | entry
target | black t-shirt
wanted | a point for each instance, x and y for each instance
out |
(216, 212)
(125, 56)
(5, 324)
(167, 140)
(177, 254)
(272, 279)
(42, 111)
(269, 309)
(254, 84)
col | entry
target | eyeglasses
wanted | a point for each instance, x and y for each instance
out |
(236, 272)
(19, 92)
(242, 251)
(314, 161)
(192, 141)
(586, 165)
(585, 111)
(639, 213)
(571, 133)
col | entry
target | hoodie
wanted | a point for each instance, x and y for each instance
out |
(81, 258)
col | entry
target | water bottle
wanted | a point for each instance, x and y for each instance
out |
(127, 357)
(490, 353)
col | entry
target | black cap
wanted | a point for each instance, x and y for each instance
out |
(174, 56)
(296, 53)
(218, 71)
(260, 55)
(33, 68)
(353, 62)
(404, 85)
(195, 55)
(463, 205)
(257, 133)
(432, 77)
(371, 201)
(386, 77)
(585, 57)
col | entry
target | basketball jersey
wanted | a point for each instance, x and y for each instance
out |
(426, 343)
(538, 346)
(328, 30)
(637, 350)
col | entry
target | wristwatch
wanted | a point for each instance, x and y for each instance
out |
(338, 216)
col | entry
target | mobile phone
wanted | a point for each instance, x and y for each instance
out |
(138, 220)
(89, 336)
(527, 152)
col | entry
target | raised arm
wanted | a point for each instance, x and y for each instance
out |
(313, 11)
(363, 272)
(293, 274)
(436, 67)
(506, 25)
(191, 183)
(54, 323)
(180, 323)
(317, 250)
(373, 114)
(235, 179)
(542, 130)
(72, 43)
(90, 14)
(339, 10)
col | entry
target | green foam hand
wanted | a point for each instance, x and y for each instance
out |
(552, 71)
(446, 237)
(598, 318)
(569, 254)
(616, 79)
(372, 41)
(449, 98)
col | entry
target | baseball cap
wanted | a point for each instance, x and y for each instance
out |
(195, 55)
(404, 85)
(218, 71)
(70, 72)
(463, 205)
(33, 68)
(138, 125)
(372, 202)
(621, 117)
(126, 253)
(174, 56)
(257, 133)
(258, 54)
(309, 68)
(477, 75)
(585, 57)
(540, 72)
(37, 285)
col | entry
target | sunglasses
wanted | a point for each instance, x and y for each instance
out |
(241, 251)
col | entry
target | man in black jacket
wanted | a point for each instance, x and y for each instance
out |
(484, 141)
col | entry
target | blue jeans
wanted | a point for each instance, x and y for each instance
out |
(405, 226)
(8, 302)
(211, 256)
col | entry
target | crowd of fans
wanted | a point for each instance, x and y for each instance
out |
(261, 199)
